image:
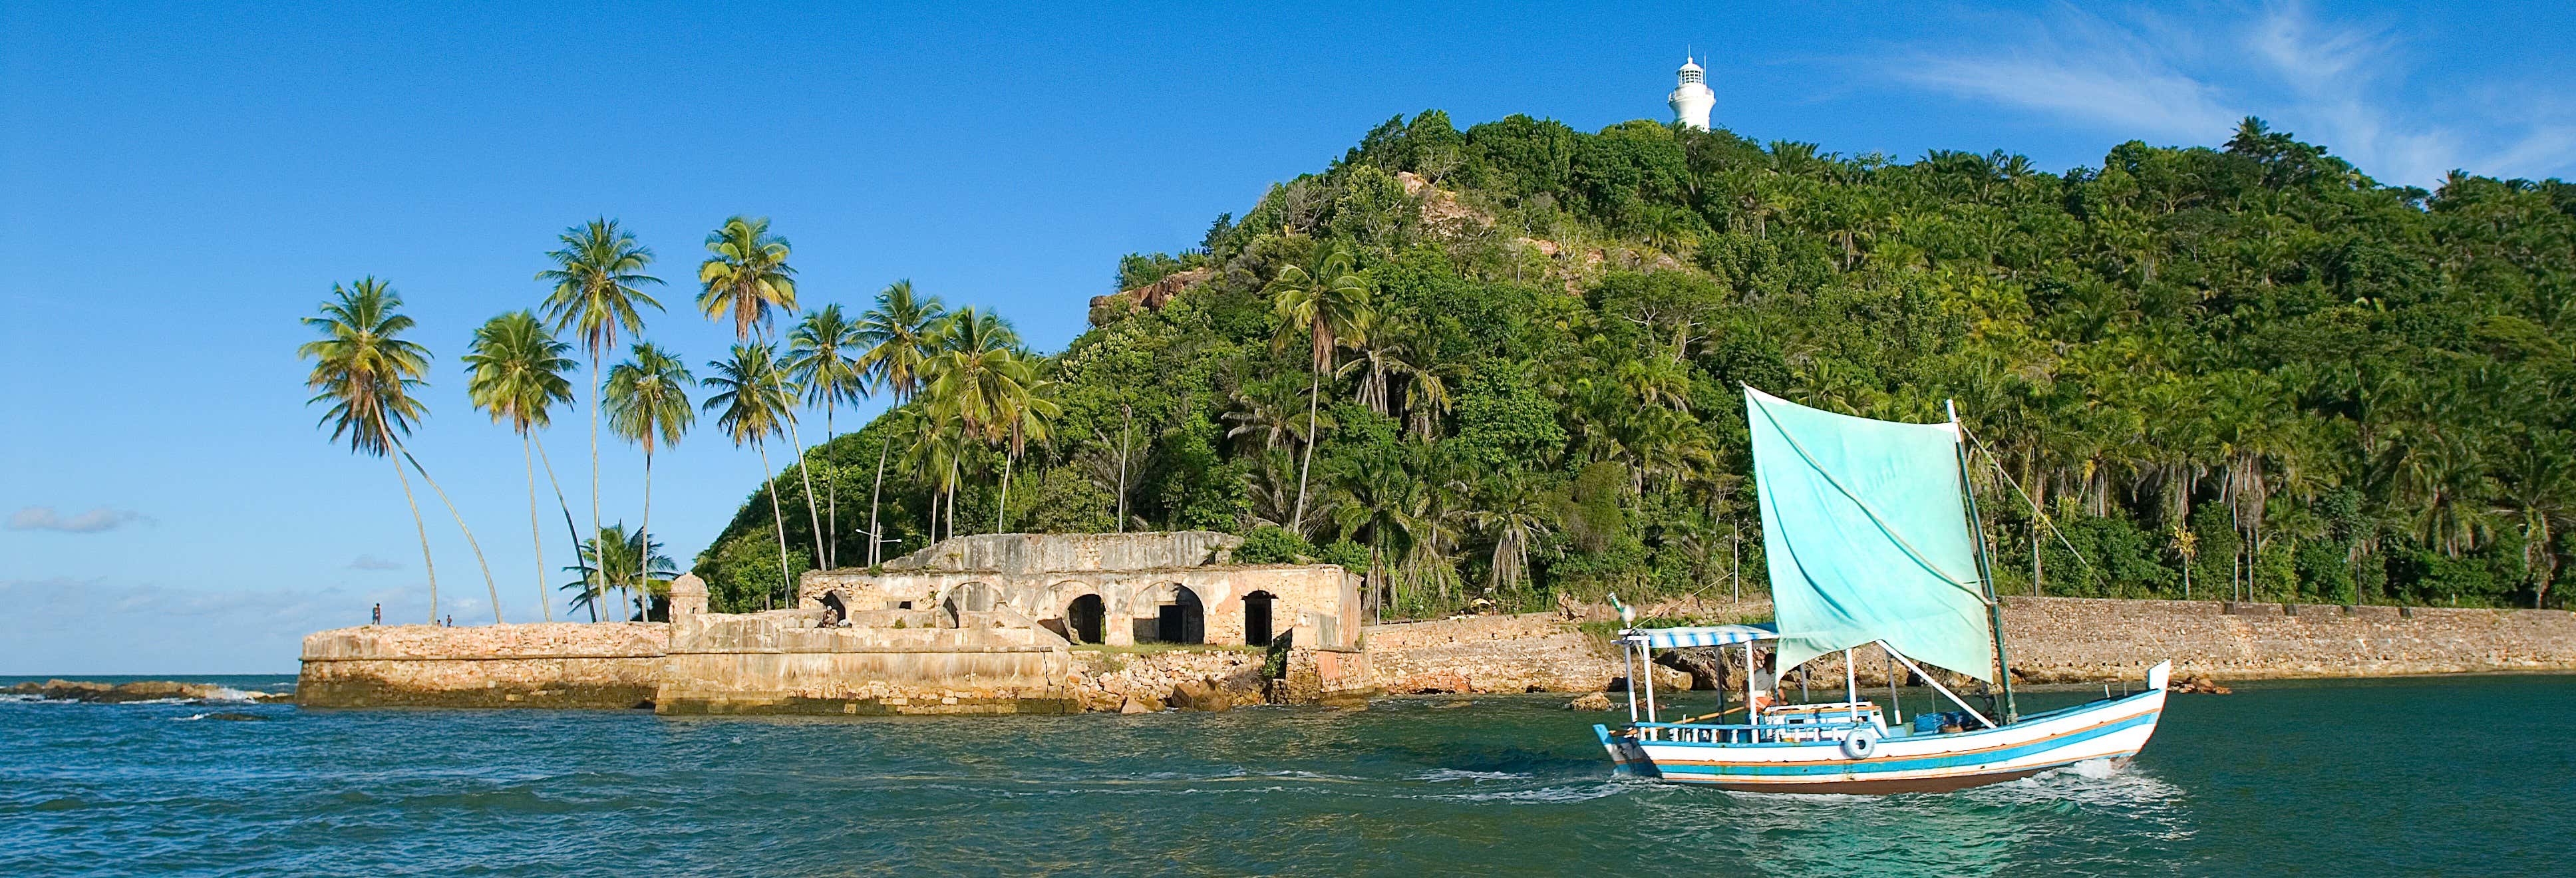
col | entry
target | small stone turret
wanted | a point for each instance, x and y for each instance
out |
(688, 597)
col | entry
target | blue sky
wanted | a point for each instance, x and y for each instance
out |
(178, 184)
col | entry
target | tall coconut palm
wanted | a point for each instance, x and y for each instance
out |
(745, 277)
(751, 406)
(599, 285)
(1328, 303)
(648, 404)
(819, 360)
(898, 336)
(366, 372)
(516, 374)
(977, 377)
(1032, 413)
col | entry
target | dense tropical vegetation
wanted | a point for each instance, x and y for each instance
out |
(1500, 365)
(1499, 368)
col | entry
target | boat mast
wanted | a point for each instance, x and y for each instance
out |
(1985, 571)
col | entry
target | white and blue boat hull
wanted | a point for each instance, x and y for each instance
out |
(2113, 729)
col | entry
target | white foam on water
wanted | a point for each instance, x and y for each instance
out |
(1443, 775)
(1543, 795)
(190, 717)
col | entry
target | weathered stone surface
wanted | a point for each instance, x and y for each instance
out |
(555, 664)
(1590, 701)
(1200, 695)
(1123, 581)
(2052, 640)
(780, 662)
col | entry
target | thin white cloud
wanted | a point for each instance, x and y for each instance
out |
(371, 562)
(96, 520)
(2341, 84)
(2082, 67)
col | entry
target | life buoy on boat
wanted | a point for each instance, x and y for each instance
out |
(1861, 743)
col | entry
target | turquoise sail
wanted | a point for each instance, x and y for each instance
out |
(1866, 532)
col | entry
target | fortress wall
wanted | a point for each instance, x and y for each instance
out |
(777, 663)
(2088, 639)
(557, 664)
(2052, 640)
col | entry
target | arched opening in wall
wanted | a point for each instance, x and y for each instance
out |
(1084, 618)
(1256, 618)
(1170, 613)
(973, 597)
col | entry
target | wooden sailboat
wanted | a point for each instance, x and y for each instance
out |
(1870, 535)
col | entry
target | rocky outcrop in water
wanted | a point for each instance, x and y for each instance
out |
(140, 690)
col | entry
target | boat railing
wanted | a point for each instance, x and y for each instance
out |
(1747, 733)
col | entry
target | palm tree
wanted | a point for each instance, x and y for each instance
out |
(819, 361)
(628, 564)
(976, 379)
(599, 282)
(1329, 303)
(898, 335)
(752, 403)
(516, 373)
(1032, 413)
(745, 278)
(648, 404)
(1518, 515)
(2538, 490)
(367, 375)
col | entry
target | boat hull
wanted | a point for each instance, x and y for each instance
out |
(2112, 729)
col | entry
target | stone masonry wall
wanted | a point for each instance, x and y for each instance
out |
(2089, 639)
(558, 664)
(2052, 640)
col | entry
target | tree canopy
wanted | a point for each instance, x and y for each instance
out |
(2249, 371)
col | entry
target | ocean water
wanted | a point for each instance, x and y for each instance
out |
(2456, 775)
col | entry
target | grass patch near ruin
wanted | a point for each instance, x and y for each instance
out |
(1158, 648)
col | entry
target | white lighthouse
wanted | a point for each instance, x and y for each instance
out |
(1691, 100)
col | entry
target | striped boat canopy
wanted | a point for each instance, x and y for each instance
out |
(1713, 635)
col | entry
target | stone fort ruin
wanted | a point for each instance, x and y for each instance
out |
(1113, 589)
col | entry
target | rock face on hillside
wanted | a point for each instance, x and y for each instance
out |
(1151, 296)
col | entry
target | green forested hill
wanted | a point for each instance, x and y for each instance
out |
(2252, 367)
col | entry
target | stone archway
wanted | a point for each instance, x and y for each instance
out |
(1256, 618)
(971, 597)
(1170, 612)
(1086, 619)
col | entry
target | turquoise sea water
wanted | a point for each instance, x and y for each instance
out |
(2460, 775)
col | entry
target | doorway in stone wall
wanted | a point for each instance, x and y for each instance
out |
(1256, 618)
(1176, 616)
(1084, 617)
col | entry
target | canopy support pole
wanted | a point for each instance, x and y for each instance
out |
(1985, 570)
(1628, 665)
(1646, 670)
(1936, 684)
(1851, 681)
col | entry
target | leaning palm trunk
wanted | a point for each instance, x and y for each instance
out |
(813, 515)
(594, 574)
(1002, 511)
(1297, 519)
(875, 538)
(778, 519)
(470, 542)
(426, 565)
(536, 535)
(953, 465)
(570, 530)
(644, 552)
(833, 486)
